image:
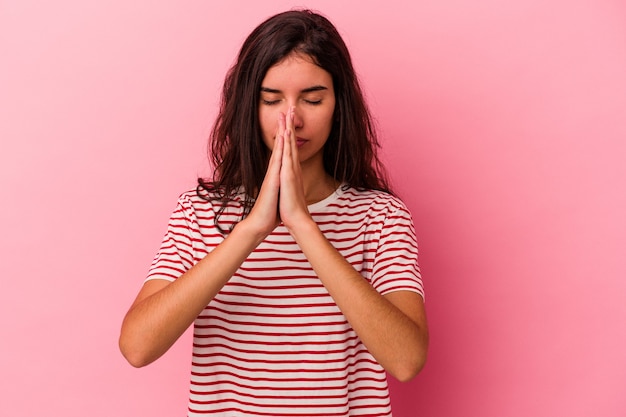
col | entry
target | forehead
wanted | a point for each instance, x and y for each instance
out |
(296, 71)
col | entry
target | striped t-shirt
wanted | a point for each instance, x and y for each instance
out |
(273, 342)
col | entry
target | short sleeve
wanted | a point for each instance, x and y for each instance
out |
(176, 254)
(395, 265)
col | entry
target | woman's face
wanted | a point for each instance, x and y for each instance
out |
(297, 81)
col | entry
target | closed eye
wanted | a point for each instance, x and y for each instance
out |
(270, 102)
(313, 102)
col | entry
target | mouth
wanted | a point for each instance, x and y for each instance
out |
(300, 142)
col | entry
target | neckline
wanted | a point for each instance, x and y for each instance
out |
(326, 201)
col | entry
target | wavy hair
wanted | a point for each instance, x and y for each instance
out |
(237, 150)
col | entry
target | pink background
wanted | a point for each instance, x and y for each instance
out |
(504, 128)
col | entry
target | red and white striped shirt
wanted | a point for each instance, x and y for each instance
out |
(273, 342)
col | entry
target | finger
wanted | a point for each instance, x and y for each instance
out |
(277, 150)
(276, 156)
(271, 180)
(280, 130)
(291, 144)
(294, 143)
(265, 210)
(289, 118)
(288, 137)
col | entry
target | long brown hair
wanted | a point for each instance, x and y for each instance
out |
(237, 150)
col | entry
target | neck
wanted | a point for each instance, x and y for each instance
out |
(317, 185)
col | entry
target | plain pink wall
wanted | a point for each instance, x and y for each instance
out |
(504, 126)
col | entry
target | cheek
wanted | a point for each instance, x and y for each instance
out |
(325, 121)
(267, 121)
(269, 124)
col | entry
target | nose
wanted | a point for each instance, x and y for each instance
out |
(298, 120)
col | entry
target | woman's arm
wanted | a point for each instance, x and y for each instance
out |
(392, 327)
(163, 311)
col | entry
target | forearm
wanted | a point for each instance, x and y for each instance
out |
(155, 321)
(397, 340)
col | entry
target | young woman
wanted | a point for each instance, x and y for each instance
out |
(296, 264)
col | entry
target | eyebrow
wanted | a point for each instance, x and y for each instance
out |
(306, 90)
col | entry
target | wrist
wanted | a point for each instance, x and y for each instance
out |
(303, 229)
(247, 229)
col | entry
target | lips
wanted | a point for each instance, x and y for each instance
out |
(300, 142)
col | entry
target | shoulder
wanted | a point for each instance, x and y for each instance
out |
(203, 199)
(193, 201)
(373, 200)
(188, 197)
(205, 209)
